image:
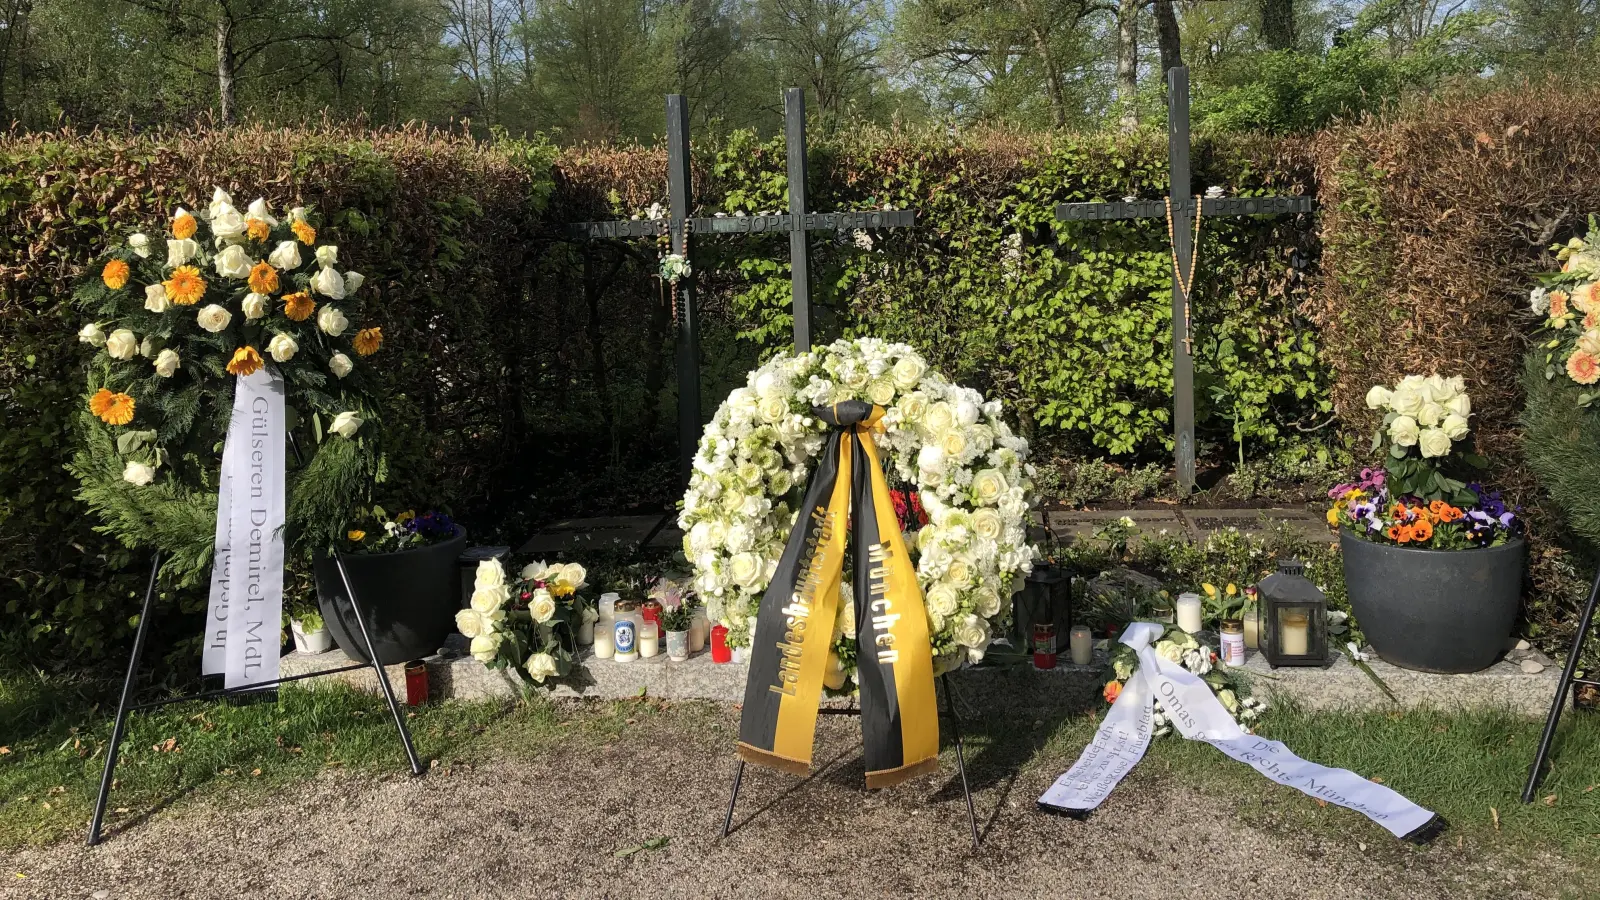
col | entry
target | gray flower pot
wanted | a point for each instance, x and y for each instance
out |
(409, 598)
(1446, 611)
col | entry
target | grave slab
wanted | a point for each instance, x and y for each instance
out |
(578, 536)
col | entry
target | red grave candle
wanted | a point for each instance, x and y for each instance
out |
(719, 644)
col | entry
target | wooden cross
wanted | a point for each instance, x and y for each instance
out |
(1181, 212)
(681, 226)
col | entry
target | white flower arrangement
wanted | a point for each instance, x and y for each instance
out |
(519, 624)
(674, 268)
(1181, 648)
(946, 441)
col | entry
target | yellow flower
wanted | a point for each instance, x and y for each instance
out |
(1210, 589)
(115, 274)
(356, 534)
(1333, 516)
(183, 226)
(112, 408)
(257, 229)
(406, 516)
(368, 340)
(1232, 589)
(246, 361)
(304, 232)
(264, 278)
(299, 306)
(184, 286)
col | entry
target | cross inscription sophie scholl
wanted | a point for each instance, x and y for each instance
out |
(681, 226)
(1183, 216)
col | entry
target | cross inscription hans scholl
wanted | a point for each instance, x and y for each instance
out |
(680, 226)
(1181, 211)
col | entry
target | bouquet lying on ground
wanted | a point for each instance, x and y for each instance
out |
(1570, 299)
(1184, 649)
(528, 624)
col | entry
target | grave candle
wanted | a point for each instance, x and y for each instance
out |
(1081, 641)
(608, 605)
(1188, 609)
(605, 645)
(1232, 643)
(1295, 630)
(719, 644)
(649, 640)
(699, 630)
(586, 627)
(627, 632)
(1252, 627)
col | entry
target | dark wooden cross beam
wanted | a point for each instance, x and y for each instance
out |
(1182, 221)
(681, 226)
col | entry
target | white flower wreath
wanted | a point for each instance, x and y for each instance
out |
(944, 440)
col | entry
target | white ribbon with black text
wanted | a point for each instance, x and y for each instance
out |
(245, 613)
(1198, 715)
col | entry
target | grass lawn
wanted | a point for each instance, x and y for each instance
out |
(1468, 767)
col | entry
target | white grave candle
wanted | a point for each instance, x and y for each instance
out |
(605, 645)
(649, 640)
(1081, 641)
(1188, 608)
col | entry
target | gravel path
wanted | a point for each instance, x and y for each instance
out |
(550, 826)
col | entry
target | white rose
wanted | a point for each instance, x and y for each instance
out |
(180, 252)
(541, 666)
(1437, 389)
(971, 632)
(1434, 442)
(340, 365)
(220, 200)
(122, 344)
(542, 606)
(255, 306)
(353, 282)
(485, 647)
(1379, 397)
(881, 392)
(489, 598)
(773, 409)
(328, 283)
(1454, 427)
(346, 424)
(939, 418)
(954, 444)
(988, 486)
(328, 256)
(138, 473)
(233, 262)
(987, 601)
(1430, 414)
(155, 297)
(214, 318)
(167, 363)
(1403, 431)
(282, 348)
(1407, 399)
(943, 599)
(332, 321)
(913, 406)
(987, 522)
(226, 223)
(574, 575)
(490, 573)
(471, 622)
(908, 371)
(1461, 405)
(537, 571)
(92, 334)
(139, 242)
(744, 568)
(259, 210)
(297, 214)
(959, 572)
(1170, 651)
(286, 256)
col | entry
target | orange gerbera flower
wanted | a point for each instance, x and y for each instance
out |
(1558, 304)
(183, 226)
(264, 278)
(1422, 531)
(299, 306)
(1113, 691)
(1583, 367)
(257, 229)
(112, 408)
(115, 274)
(304, 232)
(368, 340)
(246, 361)
(184, 286)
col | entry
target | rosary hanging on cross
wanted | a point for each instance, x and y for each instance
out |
(1177, 271)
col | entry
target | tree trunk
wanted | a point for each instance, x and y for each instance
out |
(1277, 24)
(225, 66)
(1167, 38)
(1128, 62)
(1052, 72)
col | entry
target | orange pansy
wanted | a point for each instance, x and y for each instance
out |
(184, 286)
(263, 278)
(299, 306)
(115, 274)
(183, 226)
(1422, 531)
(368, 340)
(112, 408)
(304, 232)
(246, 361)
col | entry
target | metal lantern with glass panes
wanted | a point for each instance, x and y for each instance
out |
(1294, 618)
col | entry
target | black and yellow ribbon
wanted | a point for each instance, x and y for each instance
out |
(794, 627)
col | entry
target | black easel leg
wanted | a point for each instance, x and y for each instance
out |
(961, 758)
(1567, 676)
(738, 778)
(383, 677)
(122, 704)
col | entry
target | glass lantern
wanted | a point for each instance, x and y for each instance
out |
(1294, 618)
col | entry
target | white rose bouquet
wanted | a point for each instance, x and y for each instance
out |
(528, 624)
(950, 450)
(1182, 648)
(1426, 435)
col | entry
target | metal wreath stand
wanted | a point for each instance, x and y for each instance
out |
(1569, 679)
(124, 708)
